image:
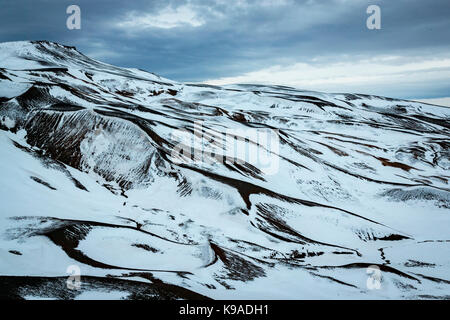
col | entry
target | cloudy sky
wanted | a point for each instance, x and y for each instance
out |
(321, 45)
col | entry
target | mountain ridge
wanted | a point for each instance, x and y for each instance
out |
(91, 178)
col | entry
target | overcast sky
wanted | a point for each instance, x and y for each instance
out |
(309, 44)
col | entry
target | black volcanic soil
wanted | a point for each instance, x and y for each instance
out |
(18, 288)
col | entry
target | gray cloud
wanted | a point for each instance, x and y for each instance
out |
(225, 39)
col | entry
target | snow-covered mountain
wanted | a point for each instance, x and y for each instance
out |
(355, 204)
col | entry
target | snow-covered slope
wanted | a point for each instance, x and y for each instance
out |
(89, 178)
